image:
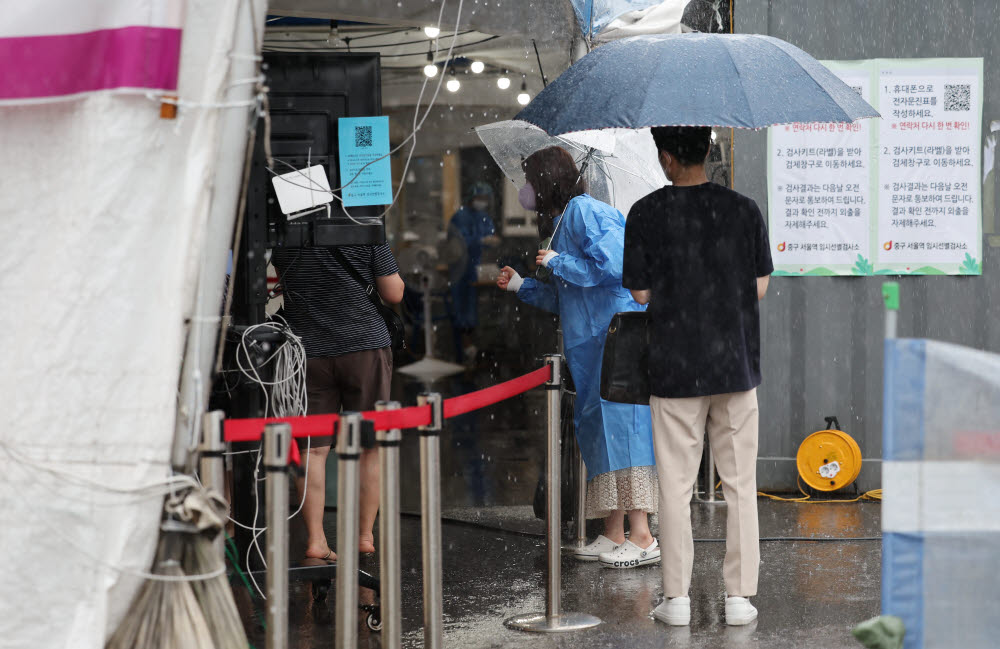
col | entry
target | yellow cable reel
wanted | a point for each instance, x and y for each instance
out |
(829, 459)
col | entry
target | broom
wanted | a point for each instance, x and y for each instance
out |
(168, 614)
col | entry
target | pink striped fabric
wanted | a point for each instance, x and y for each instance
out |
(33, 67)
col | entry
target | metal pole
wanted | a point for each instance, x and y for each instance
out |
(425, 283)
(388, 541)
(212, 464)
(553, 514)
(277, 438)
(554, 619)
(581, 500)
(348, 498)
(430, 519)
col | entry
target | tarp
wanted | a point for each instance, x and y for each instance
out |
(941, 474)
(101, 233)
(52, 49)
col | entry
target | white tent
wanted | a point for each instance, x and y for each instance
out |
(106, 215)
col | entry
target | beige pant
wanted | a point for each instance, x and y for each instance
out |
(679, 427)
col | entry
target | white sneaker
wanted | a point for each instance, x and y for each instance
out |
(593, 550)
(739, 611)
(630, 555)
(675, 611)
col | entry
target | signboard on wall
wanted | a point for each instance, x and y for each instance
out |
(900, 195)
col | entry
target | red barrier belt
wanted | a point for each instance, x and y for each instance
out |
(475, 400)
(250, 430)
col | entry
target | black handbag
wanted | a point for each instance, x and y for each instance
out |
(625, 364)
(392, 320)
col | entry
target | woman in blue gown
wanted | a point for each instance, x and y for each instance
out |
(584, 261)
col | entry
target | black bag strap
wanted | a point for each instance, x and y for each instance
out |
(353, 272)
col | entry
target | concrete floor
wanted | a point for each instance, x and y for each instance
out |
(811, 592)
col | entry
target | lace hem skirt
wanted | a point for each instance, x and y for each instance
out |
(631, 488)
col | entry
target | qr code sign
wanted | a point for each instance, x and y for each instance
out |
(957, 97)
(362, 136)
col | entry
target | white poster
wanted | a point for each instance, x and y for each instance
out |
(820, 190)
(899, 195)
(929, 179)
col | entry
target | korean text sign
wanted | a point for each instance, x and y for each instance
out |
(899, 195)
(363, 141)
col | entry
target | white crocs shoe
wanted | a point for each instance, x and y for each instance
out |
(630, 555)
(739, 611)
(675, 611)
(592, 551)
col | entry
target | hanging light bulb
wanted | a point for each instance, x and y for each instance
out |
(430, 69)
(453, 84)
(504, 81)
(477, 67)
(523, 97)
(431, 32)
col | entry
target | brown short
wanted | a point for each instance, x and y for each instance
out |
(352, 381)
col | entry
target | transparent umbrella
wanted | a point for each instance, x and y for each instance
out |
(620, 166)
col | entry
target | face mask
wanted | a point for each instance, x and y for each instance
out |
(480, 205)
(526, 197)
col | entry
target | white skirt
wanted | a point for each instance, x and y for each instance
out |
(634, 487)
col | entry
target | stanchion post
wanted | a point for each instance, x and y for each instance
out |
(348, 498)
(277, 438)
(581, 500)
(554, 619)
(430, 519)
(212, 464)
(389, 546)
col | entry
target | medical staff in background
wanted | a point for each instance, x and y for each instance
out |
(469, 229)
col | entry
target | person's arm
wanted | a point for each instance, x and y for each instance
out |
(388, 283)
(635, 265)
(390, 288)
(529, 290)
(601, 240)
(763, 266)
(640, 296)
(762, 283)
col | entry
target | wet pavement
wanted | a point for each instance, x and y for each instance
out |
(811, 592)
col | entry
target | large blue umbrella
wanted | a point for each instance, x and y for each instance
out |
(734, 80)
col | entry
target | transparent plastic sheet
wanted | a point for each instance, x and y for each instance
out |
(101, 234)
(622, 168)
(941, 518)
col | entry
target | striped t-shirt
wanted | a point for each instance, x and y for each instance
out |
(325, 306)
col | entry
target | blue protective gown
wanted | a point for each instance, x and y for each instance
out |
(472, 226)
(586, 291)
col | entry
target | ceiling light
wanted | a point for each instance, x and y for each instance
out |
(430, 70)
(432, 32)
(477, 67)
(504, 81)
(453, 84)
(523, 97)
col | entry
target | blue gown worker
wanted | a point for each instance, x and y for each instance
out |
(585, 289)
(470, 227)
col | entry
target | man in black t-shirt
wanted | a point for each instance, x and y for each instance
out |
(698, 254)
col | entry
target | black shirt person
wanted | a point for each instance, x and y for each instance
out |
(698, 254)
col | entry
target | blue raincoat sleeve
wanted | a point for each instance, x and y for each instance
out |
(600, 239)
(539, 294)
